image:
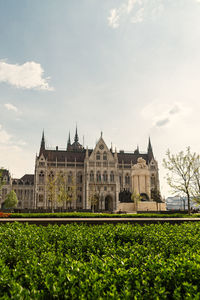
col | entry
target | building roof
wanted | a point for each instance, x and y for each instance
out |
(79, 156)
(128, 158)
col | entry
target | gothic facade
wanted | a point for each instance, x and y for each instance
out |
(112, 176)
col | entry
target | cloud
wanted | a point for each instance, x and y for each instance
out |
(135, 11)
(4, 136)
(163, 122)
(8, 140)
(26, 76)
(113, 19)
(163, 114)
(10, 106)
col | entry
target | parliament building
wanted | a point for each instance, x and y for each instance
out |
(109, 175)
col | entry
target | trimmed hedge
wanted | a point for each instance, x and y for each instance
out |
(100, 215)
(100, 262)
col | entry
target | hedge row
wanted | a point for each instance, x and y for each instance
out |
(100, 262)
(99, 215)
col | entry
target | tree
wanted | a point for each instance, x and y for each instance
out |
(135, 197)
(1, 178)
(11, 200)
(70, 195)
(94, 197)
(156, 196)
(51, 189)
(182, 167)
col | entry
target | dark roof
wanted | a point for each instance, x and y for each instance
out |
(5, 172)
(29, 178)
(60, 155)
(127, 158)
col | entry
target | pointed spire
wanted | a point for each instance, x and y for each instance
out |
(150, 150)
(76, 136)
(42, 145)
(68, 142)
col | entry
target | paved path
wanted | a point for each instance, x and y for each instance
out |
(96, 221)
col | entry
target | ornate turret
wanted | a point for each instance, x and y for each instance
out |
(76, 145)
(76, 136)
(150, 151)
(42, 146)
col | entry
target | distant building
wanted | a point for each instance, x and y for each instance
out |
(180, 203)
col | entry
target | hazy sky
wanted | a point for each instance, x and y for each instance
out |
(129, 68)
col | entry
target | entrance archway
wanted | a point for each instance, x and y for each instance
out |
(109, 203)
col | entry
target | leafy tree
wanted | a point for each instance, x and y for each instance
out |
(182, 168)
(70, 195)
(156, 196)
(136, 197)
(1, 178)
(51, 189)
(94, 197)
(11, 200)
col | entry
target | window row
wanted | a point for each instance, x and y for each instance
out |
(98, 156)
(60, 177)
(102, 177)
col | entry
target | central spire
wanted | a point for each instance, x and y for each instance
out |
(76, 136)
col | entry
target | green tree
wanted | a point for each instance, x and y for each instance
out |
(1, 178)
(182, 169)
(135, 197)
(156, 196)
(94, 197)
(51, 189)
(11, 200)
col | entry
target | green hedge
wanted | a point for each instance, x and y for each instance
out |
(99, 215)
(100, 262)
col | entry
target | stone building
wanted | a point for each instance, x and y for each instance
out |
(110, 175)
(7, 186)
(24, 189)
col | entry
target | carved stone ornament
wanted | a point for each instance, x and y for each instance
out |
(141, 164)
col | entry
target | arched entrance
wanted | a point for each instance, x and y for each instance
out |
(144, 197)
(109, 203)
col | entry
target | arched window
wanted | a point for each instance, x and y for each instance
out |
(41, 198)
(105, 176)
(127, 179)
(41, 177)
(98, 156)
(79, 177)
(112, 177)
(153, 181)
(91, 176)
(98, 176)
(104, 156)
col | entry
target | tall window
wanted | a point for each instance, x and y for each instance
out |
(70, 177)
(79, 177)
(112, 177)
(105, 176)
(91, 176)
(98, 156)
(127, 179)
(98, 176)
(153, 181)
(41, 177)
(104, 156)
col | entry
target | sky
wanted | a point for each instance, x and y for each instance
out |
(128, 68)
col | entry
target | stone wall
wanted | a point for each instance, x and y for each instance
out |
(142, 206)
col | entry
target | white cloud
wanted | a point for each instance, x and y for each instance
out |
(163, 114)
(113, 19)
(4, 136)
(135, 10)
(10, 106)
(26, 76)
